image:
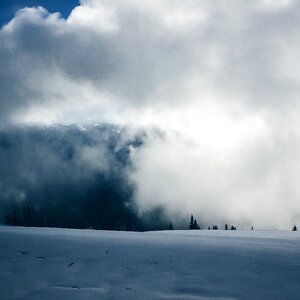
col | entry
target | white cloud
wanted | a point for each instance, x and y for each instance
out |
(94, 15)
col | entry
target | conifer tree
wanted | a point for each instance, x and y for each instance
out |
(171, 227)
(191, 225)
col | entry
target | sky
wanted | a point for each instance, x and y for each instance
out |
(9, 8)
(215, 85)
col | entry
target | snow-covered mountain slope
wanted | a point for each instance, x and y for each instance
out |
(86, 264)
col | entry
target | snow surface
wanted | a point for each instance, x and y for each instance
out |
(72, 264)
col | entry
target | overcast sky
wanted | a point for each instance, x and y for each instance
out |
(220, 78)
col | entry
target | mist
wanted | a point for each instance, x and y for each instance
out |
(214, 88)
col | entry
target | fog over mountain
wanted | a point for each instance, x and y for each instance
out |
(73, 176)
(200, 101)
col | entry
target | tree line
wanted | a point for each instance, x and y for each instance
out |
(193, 224)
(29, 216)
(106, 217)
(32, 217)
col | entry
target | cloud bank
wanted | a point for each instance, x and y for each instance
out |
(220, 80)
(74, 175)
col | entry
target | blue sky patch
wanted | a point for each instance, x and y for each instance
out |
(9, 8)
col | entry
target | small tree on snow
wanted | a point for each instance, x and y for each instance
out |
(193, 223)
(196, 225)
(171, 227)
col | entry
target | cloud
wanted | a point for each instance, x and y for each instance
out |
(114, 58)
(75, 174)
(252, 184)
(220, 79)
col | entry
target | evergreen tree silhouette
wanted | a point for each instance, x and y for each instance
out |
(8, 219)
(171, 227)
(191, 225)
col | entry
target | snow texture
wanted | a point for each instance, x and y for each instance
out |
(88, 264)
